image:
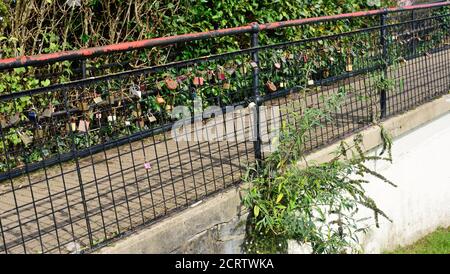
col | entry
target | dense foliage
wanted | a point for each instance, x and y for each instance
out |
(30, 27)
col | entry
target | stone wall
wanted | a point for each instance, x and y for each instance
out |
(216, 225)
(223, 238)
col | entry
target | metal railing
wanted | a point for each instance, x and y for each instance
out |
(88, 158)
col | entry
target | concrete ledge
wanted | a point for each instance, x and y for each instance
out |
(224, 210)
(396, 126)
(170, 234)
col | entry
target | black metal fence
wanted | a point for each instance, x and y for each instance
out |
(90, 153)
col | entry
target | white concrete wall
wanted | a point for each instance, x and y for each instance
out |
(421, 202)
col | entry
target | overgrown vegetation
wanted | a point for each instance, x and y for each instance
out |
(317, 203)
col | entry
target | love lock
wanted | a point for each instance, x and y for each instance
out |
(32, 115)
(221, 76)
(271, 86)
(3, 122)
(136, 91)
(140, 123)
(98, 99)
(14, 119)
(47, 113)
(169, 108)
(73, 124)
(198, 81)
(25, 138)
(171, 84)
(84, 106)
(151, 117)
(111, 99)
(83, 125)
(112, 118)
(39, 132)
(160, 100)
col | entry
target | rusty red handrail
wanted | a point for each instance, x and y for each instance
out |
(291, 23)
(162, 41)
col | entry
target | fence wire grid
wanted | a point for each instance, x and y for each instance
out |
(93, 156)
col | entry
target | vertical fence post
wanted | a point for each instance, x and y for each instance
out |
(3, 235)
(83, 68)
(385, 61)
(77, 163)
(413, 18)
(256, 94)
